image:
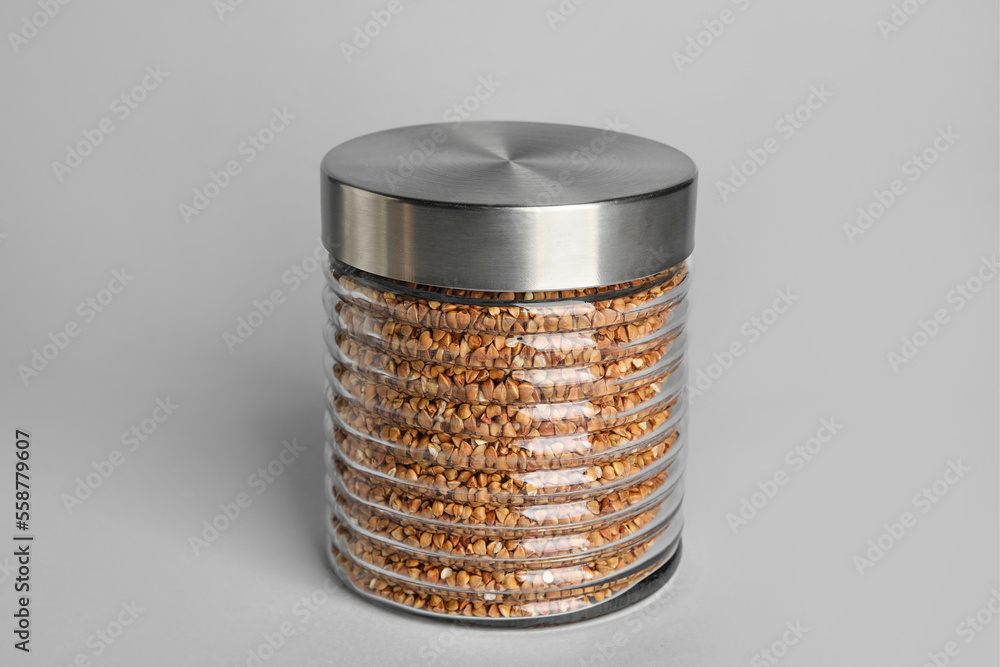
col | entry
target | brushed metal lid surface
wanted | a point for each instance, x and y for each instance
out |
(508, 206)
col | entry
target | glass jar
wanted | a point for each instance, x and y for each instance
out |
(506, 415)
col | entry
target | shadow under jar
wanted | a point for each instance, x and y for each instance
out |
(506, 412)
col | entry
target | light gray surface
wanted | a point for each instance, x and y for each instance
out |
(163, 336)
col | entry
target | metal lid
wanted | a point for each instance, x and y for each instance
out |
(508, 206)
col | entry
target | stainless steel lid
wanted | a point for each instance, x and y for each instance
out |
(508, 206)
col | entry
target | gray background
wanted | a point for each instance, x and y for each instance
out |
(162, 336)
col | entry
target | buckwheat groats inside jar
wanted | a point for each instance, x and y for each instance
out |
(506, 412)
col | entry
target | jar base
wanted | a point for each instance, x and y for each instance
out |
(640, 591)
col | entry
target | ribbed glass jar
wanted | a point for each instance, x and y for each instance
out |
(504, 455)
(505, 446)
